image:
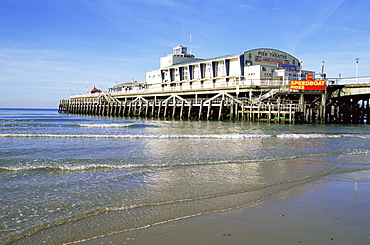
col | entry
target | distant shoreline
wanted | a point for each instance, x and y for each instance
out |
(28, 108)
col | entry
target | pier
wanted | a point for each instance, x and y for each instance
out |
(339, 104)
(270, 104)
(264, 85)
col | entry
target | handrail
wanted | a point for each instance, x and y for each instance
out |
(200, 85)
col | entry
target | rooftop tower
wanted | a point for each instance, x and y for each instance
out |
(180, 55)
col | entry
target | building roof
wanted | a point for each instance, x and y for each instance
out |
(225, 57)
(205, 60)
(270, 49)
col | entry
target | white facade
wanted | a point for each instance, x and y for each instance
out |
(179, 55)
(182, 71)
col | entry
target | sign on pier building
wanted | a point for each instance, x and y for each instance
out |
(308, 84)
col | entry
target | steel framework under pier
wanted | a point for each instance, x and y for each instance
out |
(276, 104)
(348, 104)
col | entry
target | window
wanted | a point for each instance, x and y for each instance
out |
(185, 73)
(220, 69)
(208, 70)
(196, 72)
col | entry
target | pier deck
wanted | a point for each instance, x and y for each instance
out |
(269, 104)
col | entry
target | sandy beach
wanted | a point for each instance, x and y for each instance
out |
(332, 210)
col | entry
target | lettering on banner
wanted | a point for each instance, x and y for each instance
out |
(308, 84)
(270, 60)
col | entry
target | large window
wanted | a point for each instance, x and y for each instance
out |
(208, 70)
(172, 75)
(203, 70)
(215, 64)
(220, 69)
(185, 73)
(196, 72)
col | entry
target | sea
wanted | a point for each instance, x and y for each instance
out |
(67, 178)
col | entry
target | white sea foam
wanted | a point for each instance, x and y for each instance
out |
(143, 136)
(309, 136)
(358, 152)
(182, 136)
(69, 167)
(363, 136)
(97, 166)
(108, 125)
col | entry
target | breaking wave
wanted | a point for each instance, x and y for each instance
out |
(109, 125)
(182, 136)
(103, 166)
(322, 136)
(73, 168)
(139, 136)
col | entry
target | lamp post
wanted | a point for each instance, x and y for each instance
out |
(340, 78)
(357, 59)
(322, 74)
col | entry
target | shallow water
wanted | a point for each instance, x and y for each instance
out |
(67, 178)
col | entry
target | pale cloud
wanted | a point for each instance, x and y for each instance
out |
(246, 6)
(167, 3)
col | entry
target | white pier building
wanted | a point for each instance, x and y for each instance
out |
(182, 71)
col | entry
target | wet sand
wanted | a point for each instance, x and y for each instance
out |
(332, 210)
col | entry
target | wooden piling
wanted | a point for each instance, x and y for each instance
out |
(231, 115)
(174, 109)
(190, 109)
(165, 109)
(153, 106)
(200, 110)
(182, 109)
(220, 110)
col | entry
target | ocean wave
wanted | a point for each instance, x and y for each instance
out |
(109, 125)
(316, 135)
(362, 136)
(29, 125)
(309, 136)
(140, 136)
(49, 165)
(181, 136)
(73, 167)
(55, 165)
(358, 152)
(98, 166)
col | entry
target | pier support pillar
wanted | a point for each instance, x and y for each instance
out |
(209, 110)
(182, 109)
(190, 109)
(200, 110)
(220, 111)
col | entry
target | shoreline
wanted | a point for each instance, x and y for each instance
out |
(331, 210)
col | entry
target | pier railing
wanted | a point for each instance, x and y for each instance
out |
(186, 86)
(209, 85)
(349, 80)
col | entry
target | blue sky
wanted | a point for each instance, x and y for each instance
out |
(51, 48)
